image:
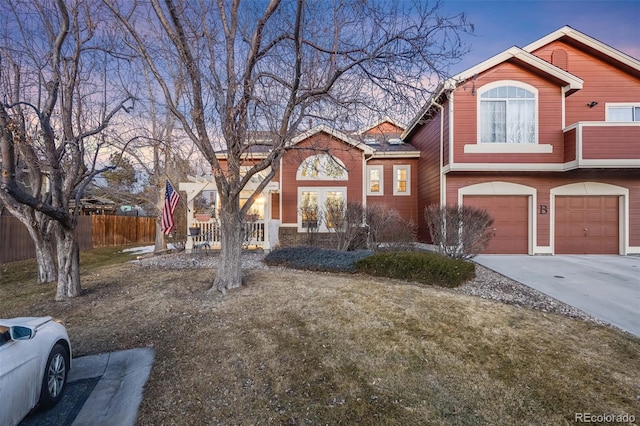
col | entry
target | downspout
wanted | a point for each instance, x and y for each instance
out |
(365, 183)
(440, 160)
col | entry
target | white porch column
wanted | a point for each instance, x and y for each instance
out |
(190, 209)
(266, 245)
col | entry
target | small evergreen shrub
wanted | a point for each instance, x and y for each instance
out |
(423, 267)
(316, 258)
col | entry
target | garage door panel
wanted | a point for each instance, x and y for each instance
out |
(586, 225)
(511, 222)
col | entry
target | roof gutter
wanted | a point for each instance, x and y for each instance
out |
(433, 101)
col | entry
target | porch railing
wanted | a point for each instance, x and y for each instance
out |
(210, 233)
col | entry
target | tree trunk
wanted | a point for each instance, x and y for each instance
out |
(160, 242)
(229, 274)
(46, 260)
(68, 264)
(40, 235)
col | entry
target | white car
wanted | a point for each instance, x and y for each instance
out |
(35, 358)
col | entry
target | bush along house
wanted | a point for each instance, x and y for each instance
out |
(547, 139)
(323, 166)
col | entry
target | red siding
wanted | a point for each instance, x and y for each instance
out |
(602, 83)
(427, 140)
(385, 127)
(406, 205)
(349, 155)
(570, 146)
(549, 117)
(275, 206)
(611, 142)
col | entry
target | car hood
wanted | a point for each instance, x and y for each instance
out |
(34, 322)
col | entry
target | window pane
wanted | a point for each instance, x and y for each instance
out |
(309, 209)
(510, 118)
(401, 180)
(620, 114)
(334, 209)
(521, 121)
(334, 197)
(374, 180)
(636, 114)
(493, 121)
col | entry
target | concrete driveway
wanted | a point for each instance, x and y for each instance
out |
(104, 389)
(607, 287)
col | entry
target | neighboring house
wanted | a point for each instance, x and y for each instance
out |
(323, 165)
(94, 206)
(547, 139)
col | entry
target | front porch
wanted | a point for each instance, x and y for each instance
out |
(203, 225)
(207, 234)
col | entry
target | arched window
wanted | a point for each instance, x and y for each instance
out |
(508, 113)
(322, 167)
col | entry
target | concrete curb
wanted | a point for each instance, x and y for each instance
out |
(118, 393)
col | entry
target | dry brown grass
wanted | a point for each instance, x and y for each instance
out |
(291, 347)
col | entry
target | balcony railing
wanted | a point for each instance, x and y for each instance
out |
(602, 145)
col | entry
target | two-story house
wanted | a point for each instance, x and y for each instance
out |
(547, 139)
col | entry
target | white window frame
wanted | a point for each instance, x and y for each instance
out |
(517, 84)
(380, 169)
(630, 105)
(396, 168)
(322, 201)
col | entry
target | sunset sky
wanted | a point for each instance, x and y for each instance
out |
(502, 24)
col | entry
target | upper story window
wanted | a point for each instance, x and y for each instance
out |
(623, 112)
(322, 167)
(507, 113)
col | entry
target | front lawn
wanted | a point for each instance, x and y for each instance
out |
(298, 347)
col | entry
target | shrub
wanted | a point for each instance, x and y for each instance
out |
(460, 232)
(345, 223)
(316, 259)
(423, 267)
(388, 229)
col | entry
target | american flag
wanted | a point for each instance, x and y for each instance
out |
(171, 198)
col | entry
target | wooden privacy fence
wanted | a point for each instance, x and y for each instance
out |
(93, 232)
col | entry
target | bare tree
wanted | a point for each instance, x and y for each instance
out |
(459, 231)
(387, 229)
(345, 222)
(62, 104)
(272, 65)
(156, 149)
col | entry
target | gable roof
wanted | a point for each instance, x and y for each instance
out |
(571, 82)
(323, 128)
(575, 37)
(378, 123)
(386, 145)
(525, 56)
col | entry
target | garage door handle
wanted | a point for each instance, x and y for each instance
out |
(585, 231)
(494, 231)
